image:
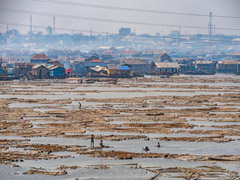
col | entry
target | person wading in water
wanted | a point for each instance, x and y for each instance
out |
(92, 141)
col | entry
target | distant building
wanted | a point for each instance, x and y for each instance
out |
(106, 57)
(55, 63)
(94, 56)
(1, 69)
(96, 62)
(40, 72)
(175, 34)
(119, 71)
(40, 59)
(96, 68)
(9, 71)
(125, 31)
(0, 62)
(234, 55)
(77, 67)
(49, 31)
(164, 57)
(205, 67)
(138, 66)
(97, 71)
(228, 66)
(166, 68)
(187, 65)
(1, 73)
(153, 53)
(127, 53)
(22, 70)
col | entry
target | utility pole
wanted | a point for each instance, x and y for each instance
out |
(30, 25)
(214, 30)
(210, 26)
(53, 25)
(30, 32)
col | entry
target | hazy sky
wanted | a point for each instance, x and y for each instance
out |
(218, 7)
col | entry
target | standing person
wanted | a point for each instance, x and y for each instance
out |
(101, 144)
(92, 140)
(80, 105)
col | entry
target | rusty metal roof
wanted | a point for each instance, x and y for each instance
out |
(166, 65)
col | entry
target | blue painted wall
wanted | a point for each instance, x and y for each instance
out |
(57, 72)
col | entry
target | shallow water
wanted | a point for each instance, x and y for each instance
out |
(120, 169)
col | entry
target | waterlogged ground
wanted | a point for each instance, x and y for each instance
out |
(195, 119)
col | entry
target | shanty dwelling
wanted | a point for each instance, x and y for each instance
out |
(40, 59)
(2, 70)
(22, 70)
(1, 73)
(78, 67)
(119, 71)
(97, 71)
(165, 69)
(96, 62)
(125, 72)
(164, 57)
(205, 67)
(234, 55)
(56, 63)
(187, 65)
(151, 53)
(57, 72)
(0, 63)
(113, 71)
(139, 67)
(93, 57)
(40, 72)
(228, 66)
(96, 68)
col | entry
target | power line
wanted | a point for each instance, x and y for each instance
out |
(107, 20)
(43, 27)
(104, 33)
(131, 9)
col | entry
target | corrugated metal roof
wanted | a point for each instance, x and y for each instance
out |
(166, 65)
(112, 67)
(128, 52)
(163, 54)
(131, 61)
(124, 68)
(203, 62)
(234, 53)
(39, 65)
(96, 64)
(228, 62)
(54, 67)
(40, 56)
(98, 68)
(96, 61)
